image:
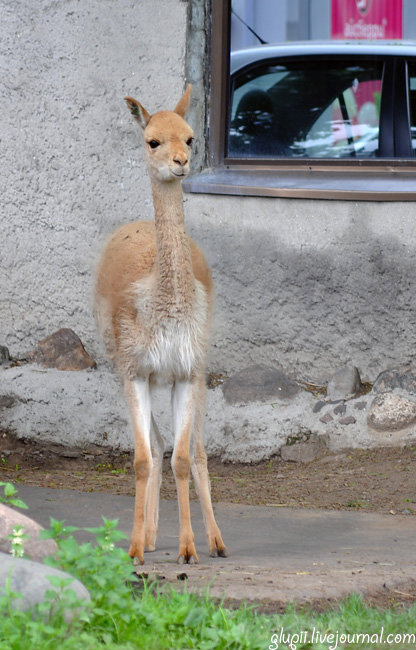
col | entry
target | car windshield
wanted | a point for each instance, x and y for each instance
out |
(316, 109)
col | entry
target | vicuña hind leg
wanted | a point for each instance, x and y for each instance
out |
(153, 489)
(183, 406)
(201, 479)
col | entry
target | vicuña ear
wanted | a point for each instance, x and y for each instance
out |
(183, 104)
(139, 113)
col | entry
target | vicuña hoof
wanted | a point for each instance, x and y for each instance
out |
(187, 554)
(136, 553)
(217, 548)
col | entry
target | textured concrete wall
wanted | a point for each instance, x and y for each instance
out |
(307, 284)
(72, 169)
(310, 284)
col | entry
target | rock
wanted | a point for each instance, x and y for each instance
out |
(31, 580)
(69, 453)
(350, 419)
(259, 383)
(327, 418)
(391, 412)
(318, 406)
(62, 350)
(402, 379)
(4, 355)
(34, 547)
(341, 409)
(360, 406)
(7, 401)
(345, 383)
(302, 452)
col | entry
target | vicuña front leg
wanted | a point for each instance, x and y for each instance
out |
(138, 397)
(183, 406)
(201, 478)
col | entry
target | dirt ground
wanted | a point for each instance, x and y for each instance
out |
(378, 480)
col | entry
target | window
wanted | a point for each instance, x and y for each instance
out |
(412, 103)
(315, 119)
(306, 109)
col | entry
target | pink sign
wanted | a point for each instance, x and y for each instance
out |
(367, 19)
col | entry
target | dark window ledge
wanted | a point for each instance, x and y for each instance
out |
(375, 184)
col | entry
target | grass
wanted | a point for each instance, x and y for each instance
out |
(125, 614)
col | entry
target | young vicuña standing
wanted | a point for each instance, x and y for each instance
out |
(153, 306)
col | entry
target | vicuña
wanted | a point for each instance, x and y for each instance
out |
(153, 305)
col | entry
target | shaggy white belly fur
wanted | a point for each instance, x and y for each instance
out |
(177, 346)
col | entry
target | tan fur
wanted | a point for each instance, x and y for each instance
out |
(153, 305)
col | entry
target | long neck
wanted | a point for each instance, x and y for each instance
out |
(175, 278)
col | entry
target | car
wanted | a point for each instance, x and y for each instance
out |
(335, 99)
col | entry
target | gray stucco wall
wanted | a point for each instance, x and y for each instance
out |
(71, 165)
(308, 284)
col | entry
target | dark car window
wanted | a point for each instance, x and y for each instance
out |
(412, 102)
(315, 109)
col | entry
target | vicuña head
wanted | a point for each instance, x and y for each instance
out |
(168, 138)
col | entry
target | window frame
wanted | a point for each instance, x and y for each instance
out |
(329, 178)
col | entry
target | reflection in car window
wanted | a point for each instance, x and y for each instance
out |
(313, 109)
(412, 102)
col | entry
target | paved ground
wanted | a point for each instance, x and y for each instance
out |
(279, 554)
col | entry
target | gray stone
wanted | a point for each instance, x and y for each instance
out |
(31, 579)
(319, 406)
(402, 379)
(341, 409)
(327, 418)
(302, 452)
(34, 547)
(391, 412)
(62, 350)
(259, 383)
(360, 406)
(6, 401)
(345, 383)
(350, 419)
(4, 354)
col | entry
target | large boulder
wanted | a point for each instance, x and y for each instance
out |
(394, 403)
(402, 380)
(391, 412)
(33, 546)
(31, 580)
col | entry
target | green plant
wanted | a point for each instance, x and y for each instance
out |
(17, 537)
(9, 496)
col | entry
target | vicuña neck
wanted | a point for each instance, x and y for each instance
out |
(175, 281)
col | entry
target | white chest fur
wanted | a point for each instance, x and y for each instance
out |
(175, 344)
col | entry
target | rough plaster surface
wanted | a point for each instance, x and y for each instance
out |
(310, 284)
(72, 167)
(78, 408)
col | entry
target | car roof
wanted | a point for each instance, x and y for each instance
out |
(241, 58)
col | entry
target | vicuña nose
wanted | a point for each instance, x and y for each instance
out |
(180, 159)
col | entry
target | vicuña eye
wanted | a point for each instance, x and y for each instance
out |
(189, 142)
(153, 144)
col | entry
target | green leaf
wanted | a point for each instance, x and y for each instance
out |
(18, 503)
(9, 490)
